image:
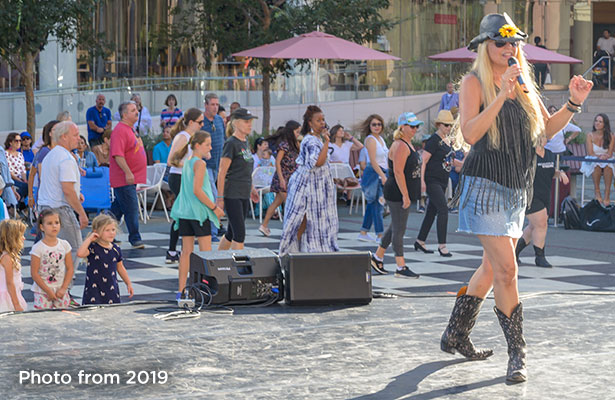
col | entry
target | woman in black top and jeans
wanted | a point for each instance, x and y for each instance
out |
(434, 180)
(402, 186)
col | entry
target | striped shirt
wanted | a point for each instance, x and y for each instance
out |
(170, 118)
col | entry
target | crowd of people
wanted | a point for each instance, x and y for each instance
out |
(210, 165)
(495, 154)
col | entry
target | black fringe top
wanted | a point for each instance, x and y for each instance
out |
(511, 165)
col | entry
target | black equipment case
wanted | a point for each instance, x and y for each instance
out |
(238, 276)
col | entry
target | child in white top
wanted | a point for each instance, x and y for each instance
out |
(11, 285)
(51, 264)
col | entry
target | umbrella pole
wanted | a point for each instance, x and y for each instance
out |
(316, 85)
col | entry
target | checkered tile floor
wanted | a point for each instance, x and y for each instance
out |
(154, 280)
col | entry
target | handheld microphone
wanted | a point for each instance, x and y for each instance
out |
(513, 61)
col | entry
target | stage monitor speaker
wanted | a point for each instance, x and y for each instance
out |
(238, 276)
(327, 278)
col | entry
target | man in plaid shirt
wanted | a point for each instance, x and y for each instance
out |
(214, 124)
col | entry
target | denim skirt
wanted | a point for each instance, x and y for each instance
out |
(488, 208)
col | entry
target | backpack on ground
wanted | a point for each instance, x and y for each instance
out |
(571, 213)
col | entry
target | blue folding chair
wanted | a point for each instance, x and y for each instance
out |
(96, 189)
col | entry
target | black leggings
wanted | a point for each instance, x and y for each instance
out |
(437, 205)
(236, 211)
(175, 184)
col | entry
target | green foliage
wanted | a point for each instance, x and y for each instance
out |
(149, 141)
(223, 28)
(26, 26)
(580, 139)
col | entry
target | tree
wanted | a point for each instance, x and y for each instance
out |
(223, 28)
(27, 25)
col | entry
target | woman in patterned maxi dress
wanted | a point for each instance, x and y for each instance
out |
(310, 222)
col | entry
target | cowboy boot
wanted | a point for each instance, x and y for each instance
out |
(457, 333)
(513, 331)
(540, 259)
(520, 246)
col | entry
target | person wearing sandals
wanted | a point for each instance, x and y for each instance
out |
(285, 143)
(402, 186)
(374, 176)
(437, 165)
(502, 121)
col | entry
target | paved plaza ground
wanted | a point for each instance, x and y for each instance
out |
(386, 350)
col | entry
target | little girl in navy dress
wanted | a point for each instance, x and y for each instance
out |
(104, 263)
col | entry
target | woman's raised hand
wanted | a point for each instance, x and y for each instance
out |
(579, 89)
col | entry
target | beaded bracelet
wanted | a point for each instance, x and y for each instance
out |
(573, 109)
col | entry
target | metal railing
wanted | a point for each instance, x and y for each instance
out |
(339, 82)
(590, 69)
(404, 77)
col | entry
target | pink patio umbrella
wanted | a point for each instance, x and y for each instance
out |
(533, 54)
(315, 45)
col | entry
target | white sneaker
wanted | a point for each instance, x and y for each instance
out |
(366, 238)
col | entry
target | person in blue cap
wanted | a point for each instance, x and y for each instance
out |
(26, 148)
(402, 186)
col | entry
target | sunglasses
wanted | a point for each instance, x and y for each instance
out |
(376, 124)
(447, 125)
(499, 44)
(201, 122)
(16, 140)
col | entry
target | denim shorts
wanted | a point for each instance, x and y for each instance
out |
(495, 211)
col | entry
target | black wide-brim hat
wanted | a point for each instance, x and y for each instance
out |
(498, 27)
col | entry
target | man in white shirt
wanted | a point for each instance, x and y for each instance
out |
(606, 43)
(60, 184)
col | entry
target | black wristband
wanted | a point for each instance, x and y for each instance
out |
(574, 104)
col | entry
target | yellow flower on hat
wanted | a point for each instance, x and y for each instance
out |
(507, 31)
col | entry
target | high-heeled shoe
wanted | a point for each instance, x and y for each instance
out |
(449, 254)
(418, 246)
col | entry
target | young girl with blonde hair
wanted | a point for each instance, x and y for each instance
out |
(105, 262)
(11, 243)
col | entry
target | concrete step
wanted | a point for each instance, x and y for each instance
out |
(601, 108)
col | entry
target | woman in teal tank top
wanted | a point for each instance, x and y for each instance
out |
(195, 207)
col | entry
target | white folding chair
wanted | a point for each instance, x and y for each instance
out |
(261, 179)
(343, 171)
(153, 183)
(157, 187)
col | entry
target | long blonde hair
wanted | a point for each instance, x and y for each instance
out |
(397, 134)
(530, 102)
(11, 234)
